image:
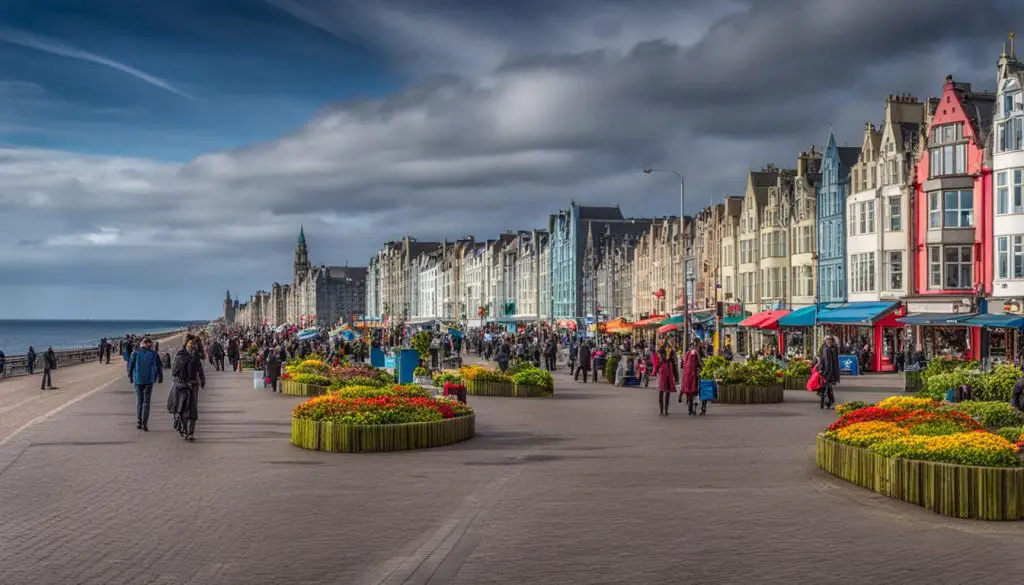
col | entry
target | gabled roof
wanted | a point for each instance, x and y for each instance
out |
(848, 155)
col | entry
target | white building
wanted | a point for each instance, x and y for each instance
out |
(862, 216)
(1008, 181)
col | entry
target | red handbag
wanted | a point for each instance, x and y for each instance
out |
(815, 382)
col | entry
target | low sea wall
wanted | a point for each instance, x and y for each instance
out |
(17, 365)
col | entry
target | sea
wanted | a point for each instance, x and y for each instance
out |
(16, 335)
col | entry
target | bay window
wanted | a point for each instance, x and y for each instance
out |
(951, 209)
(947, 153)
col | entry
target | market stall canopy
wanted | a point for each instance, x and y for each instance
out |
(673, 320)
(307, 334)
(668, 328)
(655, 320)
(567, 323)
(934, 319)
(615, 326)
(765, 319)
(734, 320)
(802, 317)
(996, 320)
(856, 313)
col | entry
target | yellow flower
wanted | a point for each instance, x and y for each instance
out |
(907, 403)
(868, 433)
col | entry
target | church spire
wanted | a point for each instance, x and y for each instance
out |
(302, 235)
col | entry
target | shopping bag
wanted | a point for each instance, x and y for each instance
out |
(708, 390)
(815, 382)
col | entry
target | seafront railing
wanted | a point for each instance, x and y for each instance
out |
(17, 365)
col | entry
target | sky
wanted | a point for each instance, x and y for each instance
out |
(155, 154)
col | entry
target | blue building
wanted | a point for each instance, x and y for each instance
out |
(567, 243)
(831, 208)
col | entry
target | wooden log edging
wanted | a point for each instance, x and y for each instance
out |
(958, 491)
(504, 389)
(293, 388)
(795, 382)
(740, 394)
(339, 438)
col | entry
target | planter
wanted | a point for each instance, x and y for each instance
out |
(528, 391)
(958, 491)
(505, 389)
(293, 388)
(795, 382)
(338, 438)
(912, 381)
(739, 394)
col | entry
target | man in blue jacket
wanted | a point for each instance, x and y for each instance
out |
(144, 370)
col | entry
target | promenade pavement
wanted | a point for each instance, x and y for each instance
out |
(590, 486)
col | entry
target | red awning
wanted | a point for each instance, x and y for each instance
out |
(668, 328)
(567, 323)
(765, 319)
(654, 320)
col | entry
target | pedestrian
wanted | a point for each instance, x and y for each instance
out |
(49, 363)
(107, 347)
(828, 367)
(502, 357)
(217, 352)
(3, 364)
(233, 354)
(144, 370)
(187, 379)
(30, 359)
(582, 362)
(666, 380)
(690, 386)
(273, 369)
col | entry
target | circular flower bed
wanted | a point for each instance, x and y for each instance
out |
(959, 460)
(526, 382)
(372, 419)
(313, 377)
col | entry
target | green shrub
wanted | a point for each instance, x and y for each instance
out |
(997, 385)
(520, 366)
(762, 373)
(944, 366)
(712, 368)
(421, 343)
(1011, 434)
(441, 378)
(937, 385)
(992, 415)
(937, 428)
(314, 379)
(851, 406)
(535, 377)
(420, 371)
(611, 365)
(798, 368)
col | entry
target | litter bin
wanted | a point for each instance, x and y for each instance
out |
(406, 362)
(376, 357)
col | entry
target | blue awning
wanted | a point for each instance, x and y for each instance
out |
(935, 319)
(799, 318)
(865, 313)
(995, 320)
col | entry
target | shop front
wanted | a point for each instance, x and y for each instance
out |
(763, 329)
(871, 330)
(796, 331)
(937, 327)
(732, 336)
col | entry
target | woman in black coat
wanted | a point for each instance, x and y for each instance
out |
(273, 369)
(828, 367)
(187, 379)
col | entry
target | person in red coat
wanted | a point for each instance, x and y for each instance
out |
(665, 370)
(691, 374)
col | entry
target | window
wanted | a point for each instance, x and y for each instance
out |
(869, 206)
(934, 211)
(947, 154)
(934, 266)
(1010, 191)
(1010, 135)
(895, 270)
(958, 267)
(862, 272)
(895, 213)
(1010, 257)
(853, 218)
(959, 208)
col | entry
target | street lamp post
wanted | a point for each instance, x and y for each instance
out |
(682, 251)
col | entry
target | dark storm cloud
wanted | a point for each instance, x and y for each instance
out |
(514, 109)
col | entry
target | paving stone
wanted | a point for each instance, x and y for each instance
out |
(591, 486)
